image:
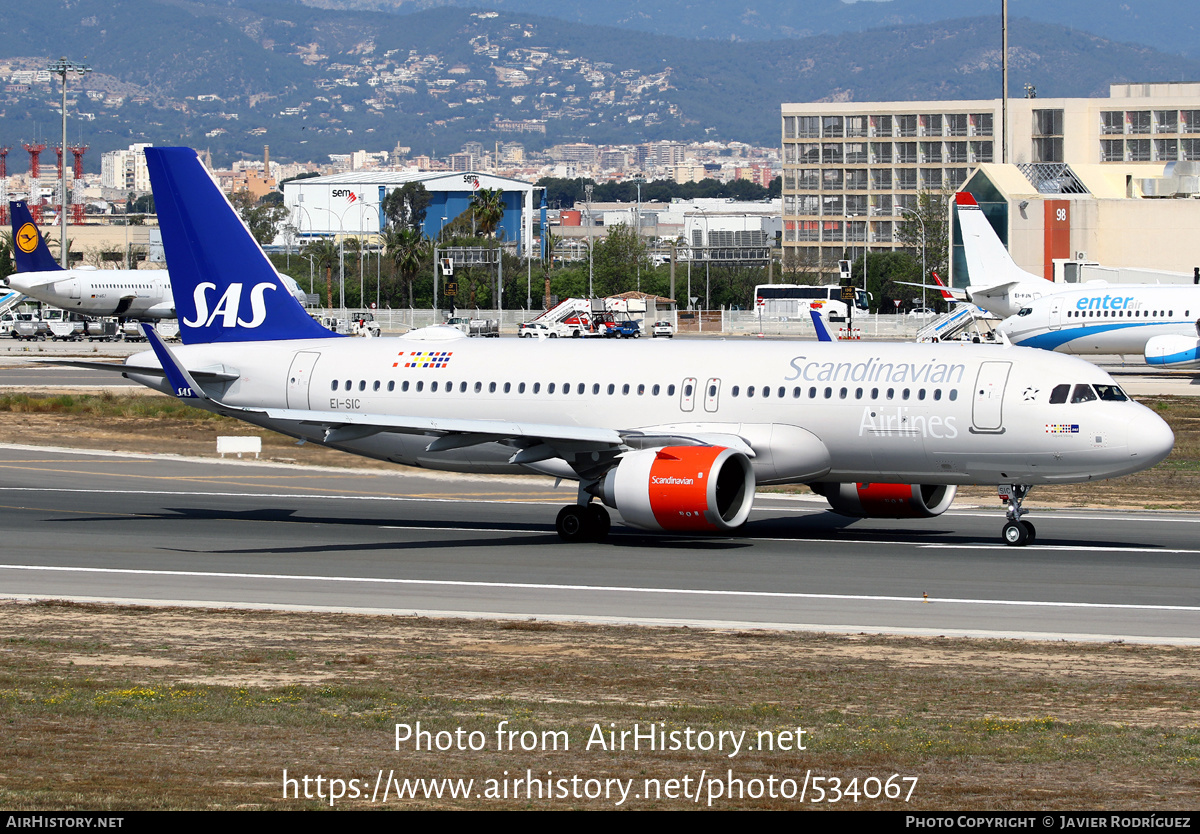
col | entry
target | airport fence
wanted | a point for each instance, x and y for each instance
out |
(715, 322)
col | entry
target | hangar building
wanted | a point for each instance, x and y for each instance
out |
(352, 203)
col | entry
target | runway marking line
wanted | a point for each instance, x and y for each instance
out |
(531, 586)
(250, 482)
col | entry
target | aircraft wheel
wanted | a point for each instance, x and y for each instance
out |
(1031, 530)
(1016, 534)
(573, 524)
(600, 522)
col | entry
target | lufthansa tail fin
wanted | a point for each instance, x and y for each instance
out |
(29, 247)
(225, 288)
(988, 262)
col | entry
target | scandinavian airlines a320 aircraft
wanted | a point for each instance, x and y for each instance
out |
(125, 293)
(672, 436)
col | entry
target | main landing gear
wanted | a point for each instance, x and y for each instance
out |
(583, 523)
(1016, 532)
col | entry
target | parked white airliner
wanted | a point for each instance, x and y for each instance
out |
(998, 285)
(1159, 322)
(673, 436)
(126, 293)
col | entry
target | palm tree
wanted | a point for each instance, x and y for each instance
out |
(487, 207)
(406, 248)
(324, 252)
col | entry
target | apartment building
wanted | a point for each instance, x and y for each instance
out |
(852, 170)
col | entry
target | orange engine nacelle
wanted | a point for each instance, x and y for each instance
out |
(888, 500)
(681, 488)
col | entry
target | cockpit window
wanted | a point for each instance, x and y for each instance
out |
(1024, 311)
(1059, 395)
(1111, 393)
(1083, 394)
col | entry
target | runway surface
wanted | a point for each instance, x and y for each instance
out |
(165, 530)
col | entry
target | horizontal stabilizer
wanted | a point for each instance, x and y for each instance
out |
(205, 374)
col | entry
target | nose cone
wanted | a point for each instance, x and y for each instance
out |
(1150, 440)
(1011, 328)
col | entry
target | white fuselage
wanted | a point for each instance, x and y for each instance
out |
(886, 412)
(132, 293)
(129, 293)
(1009, 299)
(1106, 319)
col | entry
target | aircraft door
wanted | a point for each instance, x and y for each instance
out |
(987, 405)
(299, 376)
(712, 393)
(1056, 313)
(687, 394)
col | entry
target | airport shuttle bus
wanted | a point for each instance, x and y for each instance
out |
(794, 301)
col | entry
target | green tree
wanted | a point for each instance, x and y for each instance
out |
(7, 267)
(888, 274)
(926, 228)
(406, 250)
(405, 207)
(487, 207)
(616, 258)
(263, 218)
(142, 205)
(324, 253)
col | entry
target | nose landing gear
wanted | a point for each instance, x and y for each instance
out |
(1016, 531)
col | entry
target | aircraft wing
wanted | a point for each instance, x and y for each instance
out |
(958, 295)
(215, 374)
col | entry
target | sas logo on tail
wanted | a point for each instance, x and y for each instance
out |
(229, 305)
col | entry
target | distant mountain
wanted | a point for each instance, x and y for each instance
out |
(233, 76)
(1167, 25)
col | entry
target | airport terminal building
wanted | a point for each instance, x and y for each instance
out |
(1098, 179)
(352, 203)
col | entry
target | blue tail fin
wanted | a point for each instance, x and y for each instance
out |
(823, 334)
(29, 248)
(225, 288)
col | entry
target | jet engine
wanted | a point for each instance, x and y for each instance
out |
(888, 500)
(681, 488)
(1173, 351)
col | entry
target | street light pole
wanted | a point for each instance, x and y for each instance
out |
(924, 277)
(341, 254)
(587, 190)
(61, 67)
(638, 229)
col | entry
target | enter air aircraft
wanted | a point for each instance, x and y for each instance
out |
(1159, 322)
(125, 293)
(673, 437)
